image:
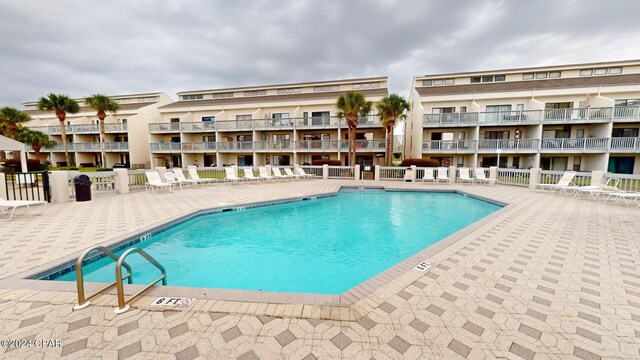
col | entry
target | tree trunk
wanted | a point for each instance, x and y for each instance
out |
(101, 116)
(389, 144)
(36, 151)
(63, 131)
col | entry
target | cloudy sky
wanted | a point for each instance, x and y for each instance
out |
(119, 47)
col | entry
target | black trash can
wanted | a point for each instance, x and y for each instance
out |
(82, 184)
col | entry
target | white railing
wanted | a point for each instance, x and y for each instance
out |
(625, 144)
(627, 182)
(580, 144)
(82, 128)
(137, 180)
(316, 145)
(341, 172)
(165, 147)
(516, 177)
(392, 172)
(102, 183)
(315, 170)
(198, 146)
(552, 177)
(217, 173)
(508, 144)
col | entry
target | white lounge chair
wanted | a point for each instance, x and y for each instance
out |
(428, 175)
(594, 191)
(193, 175)
(465, 176)
(628, 197)
(172, 179)
(278, 174)
(183, 179)
(15, 204)
(155, 182)
(563, 184)
(301, 172)
(291, 174)
(248, 174)
(481, 177)
(264, 174)
(442, 175)
(231, 176)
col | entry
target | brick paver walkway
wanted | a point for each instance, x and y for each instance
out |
(553, 277)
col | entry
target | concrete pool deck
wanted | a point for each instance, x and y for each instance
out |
(551, 277)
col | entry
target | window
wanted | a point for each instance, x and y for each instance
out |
(192, 97)
(366, 86)
(628, 102)
(121, 101)
(542, 75)
(580, 133)
(222, 95)
(516, 162)
(289, 91)
(438, 82)
(326, 88)
(427, 82)
(615, 70)
(147, 99)
(280, 137)
(209, 139)
(600, 72)
(487, 79)
(460, 162)
(255, 93)
(577, 160)
(243, 117)
(554, 74)
(449, 81)
(527, 76)
(475, 79)
(588, 72)
(208, 118)
(500, 78)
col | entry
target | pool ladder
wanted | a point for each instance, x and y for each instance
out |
(123, 305)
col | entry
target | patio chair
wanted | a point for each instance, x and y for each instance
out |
(594, 191)
(183, 179)
(465, 176)
(278, 174)
(154, 182)
(230, 175)
(172, 179)
(628, 197)
(291, 174)
(248, 174)
(442, 175)
(481, 177)
(301, 172)
(428, 175)
(15, 204)
(193, 175)
(563, 184)
(264, 174)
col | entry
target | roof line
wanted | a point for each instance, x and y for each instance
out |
(286, 84)
(111, 96)
(533, 68)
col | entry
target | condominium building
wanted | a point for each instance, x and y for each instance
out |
(276, 124)
(126, 141)
(580, 117)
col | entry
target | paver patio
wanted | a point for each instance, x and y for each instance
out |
(552, 277)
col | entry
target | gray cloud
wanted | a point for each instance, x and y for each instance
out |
(116, 47)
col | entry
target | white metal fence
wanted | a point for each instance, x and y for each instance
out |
(518, 177)
(102, 183)
(341, 172)
(392, 173)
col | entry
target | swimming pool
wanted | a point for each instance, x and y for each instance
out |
(323, 246)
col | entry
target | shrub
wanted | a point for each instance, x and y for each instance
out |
(327, 162)
(15, 165)
(104, 169)
(420, 162)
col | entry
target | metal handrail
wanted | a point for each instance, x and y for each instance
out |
(122, 304)
(83, 301)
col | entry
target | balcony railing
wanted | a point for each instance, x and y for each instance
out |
(579, 145)
(508, 144)
(628, 144)
(313, 122)
(284, 145)
(521, 117)
(82, 128)
(88, 146)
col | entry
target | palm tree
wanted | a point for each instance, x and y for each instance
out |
(352, 105)
(102, 104)
(61, 104)
(36, 139)
(391, 108)
(10, 121)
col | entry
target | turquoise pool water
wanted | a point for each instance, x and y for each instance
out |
(323, 246)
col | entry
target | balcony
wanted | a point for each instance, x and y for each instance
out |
(620, 144)
(508, 145)
(82, 129)
(529, 117)
(89, 147)
(581, 145)
(300, 123)
(268, 146)
(453, 146)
